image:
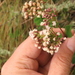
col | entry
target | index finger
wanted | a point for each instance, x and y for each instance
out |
(28, 49)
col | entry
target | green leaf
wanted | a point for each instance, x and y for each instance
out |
(60, 36)
(39, 28)
(45, 0)
(73, 60)
(50, 24)
(68, 30)
(37, 21)
(65, 9)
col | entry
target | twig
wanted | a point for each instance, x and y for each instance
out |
(27, 21)
(2, 3)
(59, 2)
(72, 68)
(62, 31)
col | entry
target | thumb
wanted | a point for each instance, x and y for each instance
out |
(61, 62)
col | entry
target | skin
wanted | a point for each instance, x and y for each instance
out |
(28, 60)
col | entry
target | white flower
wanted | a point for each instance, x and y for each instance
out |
(47, 33)
(39, 47)
(37, 42)
(40, 32)
(31, 17)
(43, 14)
(31, 34)
(48, 51)
(45, 10)
(47, 27)
(34, 30)
(45, 38)
(44, 31)
(60, 43)
(35, 39)
(39, 12)
(58, 33)
(64, 38)
(30, 3)
(54, 39)
(26, 16)
(47, 42)
(38, 16)
(34, 13)
(42, 23)
(36, 45)
(51, 47)
(26, 4)
(57, 48)
(44, 44)
(54, 23)
(54, 47)
(48, 39)
(51, 52)
(45, 49)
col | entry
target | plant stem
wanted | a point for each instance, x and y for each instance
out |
(2, 3)
(62, 31)
(27, 21)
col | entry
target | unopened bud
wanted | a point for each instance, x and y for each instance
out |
(38, 4)
(34, 13)
(39, 12)
(26, 6)
(38, 8)
(34, 4)
(34, 9)
(25, 13)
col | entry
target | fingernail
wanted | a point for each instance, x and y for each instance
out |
(71, 43)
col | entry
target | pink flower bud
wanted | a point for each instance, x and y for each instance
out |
(34, 4)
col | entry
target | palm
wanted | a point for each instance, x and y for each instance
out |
(38, 66)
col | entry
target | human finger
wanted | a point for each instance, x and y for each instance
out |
(61, 62)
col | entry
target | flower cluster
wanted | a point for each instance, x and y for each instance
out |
(48, 15)
(31, 9)
(46, 39)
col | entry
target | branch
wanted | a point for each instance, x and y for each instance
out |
(2, 3)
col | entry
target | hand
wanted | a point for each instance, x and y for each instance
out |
(28, 60)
